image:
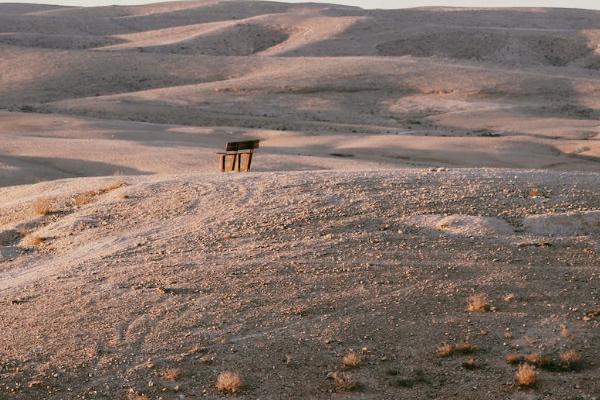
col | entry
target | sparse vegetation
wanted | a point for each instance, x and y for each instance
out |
(514, 358)
(448, 349)
(445, 350)
(526, 375)
(571, 360)
(171, 374)
(470, 363)
(229, 382)
(33, 240)
(465, 348)
(344, 382)
(133, 395)
(116, 184)
(42, 206)
(196, 349)
(478, 303)
(351, 360)
(510, 297)
(82, 199)
(537, 359)
(207, 359)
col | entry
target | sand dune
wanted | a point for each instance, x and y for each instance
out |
(409, 160)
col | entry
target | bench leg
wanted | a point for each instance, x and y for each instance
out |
(232, 162)
(239, 163)
(249, 162)
(223, 156)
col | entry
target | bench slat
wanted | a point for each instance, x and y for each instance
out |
(246, 145)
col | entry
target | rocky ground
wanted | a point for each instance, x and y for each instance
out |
(277, 276)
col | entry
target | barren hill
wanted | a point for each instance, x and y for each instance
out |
(425, 202)
(501, 82)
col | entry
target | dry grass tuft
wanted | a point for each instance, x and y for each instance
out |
(207, 359)
(478, 303)
(133, 395)
(229, 382)
(470, 363)
(526, 375)
(537, 359)
(510, 297)
(42, 206)
(445, 350)
(82, 199)
(33, 240)
(514, 358)
(116, 184)
(571, 359)
(465, 348)
(171, 374)
(344, 382)
(351, 360)
(448, 349)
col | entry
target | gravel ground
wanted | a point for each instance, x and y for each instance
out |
(277, 276)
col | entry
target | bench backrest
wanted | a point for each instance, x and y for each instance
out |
(246, 145)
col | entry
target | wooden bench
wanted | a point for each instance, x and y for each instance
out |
(234, 152)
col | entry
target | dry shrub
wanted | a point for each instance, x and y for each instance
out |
(514, 358)
(344, 382)
(465, 348)
(537, 359)
(42, 206)
(470, 363)
(133, 395)
(229, 382)
(171, 374)
(33, 240)
(448, 349)
(564, 331)
(571, 359)
(445, 350)
(510, 297)
(351, 360)
(82, 199)
(207, 359)
(478, 303)
(526, 375)
(535, 192)
(116, 184)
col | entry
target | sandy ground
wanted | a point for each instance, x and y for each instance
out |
(409, 160)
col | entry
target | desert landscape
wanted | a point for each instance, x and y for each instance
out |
(422, 219)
